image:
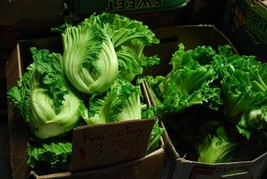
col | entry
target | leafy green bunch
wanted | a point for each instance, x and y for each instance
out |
(94, 80)
(220, 81)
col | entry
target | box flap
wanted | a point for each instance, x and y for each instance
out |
(110, 143)
(141, 168)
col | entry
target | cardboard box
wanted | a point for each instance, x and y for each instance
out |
(190, 35)
(155, 13)
(178, 166)
(131, 162)
(245, 23)
(87, 7)
(149, 167)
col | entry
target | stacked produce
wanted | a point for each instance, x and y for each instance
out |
(213, 104)
(96, 79)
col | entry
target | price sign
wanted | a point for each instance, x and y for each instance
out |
(105, 144)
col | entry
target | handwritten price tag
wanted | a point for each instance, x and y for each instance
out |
(105, 144)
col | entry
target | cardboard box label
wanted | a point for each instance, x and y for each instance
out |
(206, 172)
(87, 7)
(104, 144)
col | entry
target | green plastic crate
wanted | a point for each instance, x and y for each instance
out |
(87, 7)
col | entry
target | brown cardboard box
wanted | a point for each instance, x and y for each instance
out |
(245, 23)
(178, 166)
(190, 35)
(136, 165)
(149, 167)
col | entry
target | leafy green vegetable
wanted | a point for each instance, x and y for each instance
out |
(103, 43)
(124, 30)
(129, 38)
(244, 85)
(120, 102)
(154, 140)
(55, 154)
(43, 97)
(89, 58)
(95, 78)
(190, 82)
(255, 121)
(231, 85)
(123, 101)
(216, 148)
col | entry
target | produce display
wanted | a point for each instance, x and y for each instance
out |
(96, 79)
(213, 104)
